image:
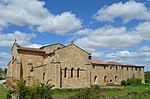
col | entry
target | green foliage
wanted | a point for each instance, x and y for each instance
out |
(147, 77)
(123, 82)
(1, 72)
(21, 89)
(8, 94)
(36, 91)
(44, 91)
(3, 92)
(132, 82)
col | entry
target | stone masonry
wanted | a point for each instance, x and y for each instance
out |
(66, 67)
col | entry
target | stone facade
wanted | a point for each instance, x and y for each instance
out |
(66, 67)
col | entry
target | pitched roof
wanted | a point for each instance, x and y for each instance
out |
(97, 62)
(31, 49)
(114, 63)
(50, 45)
(74, 45)
(15, 43)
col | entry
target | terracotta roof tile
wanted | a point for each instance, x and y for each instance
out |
(97, 62)
(115, 63)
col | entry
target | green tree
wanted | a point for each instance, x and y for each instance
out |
(1, 73)
(147, 77)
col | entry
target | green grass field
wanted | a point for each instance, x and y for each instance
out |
(142, 92)
(2, 92)
(127, 90)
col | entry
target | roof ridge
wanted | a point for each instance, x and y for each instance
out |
(50, 45)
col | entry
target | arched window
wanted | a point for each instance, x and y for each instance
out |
(78, 70)
(115, 78)
(43, 76)
(95, 79)
(65, 72)
(72, 72)
(105, 79)
(12, 57)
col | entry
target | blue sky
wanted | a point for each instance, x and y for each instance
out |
(112, 30)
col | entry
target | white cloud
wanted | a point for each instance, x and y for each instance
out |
(4, 55)
(33, 13)
(143, 30)
(140, 57)
(61, 23)
(145, 48)
(129, 10)
(107, 37)
(9, 38)
(3, 64)
(34, 45)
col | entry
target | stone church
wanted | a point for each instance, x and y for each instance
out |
(66, 67)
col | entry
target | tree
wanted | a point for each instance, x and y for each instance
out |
(5, 71)
(1, 73)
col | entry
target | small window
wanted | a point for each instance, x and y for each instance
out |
(132, 68)
(12, 57)
(136, 68)
(93, 66)
(110, 80)
(116, 67)
(65, 72)
(43, 76)
(115, 78)
(90, 57)
(95, 79)
(110, 67)
(78, 71)
(105, 79)
(72, 72)
(127, 68)
(104, 67)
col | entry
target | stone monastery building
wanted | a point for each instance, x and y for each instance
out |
(66, 67)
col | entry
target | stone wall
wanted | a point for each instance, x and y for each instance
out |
(72, 58)
(114, 74)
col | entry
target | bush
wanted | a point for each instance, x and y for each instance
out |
(123, 82)
(37, 91)
(147, 77)
(132, 81)
(8, 94)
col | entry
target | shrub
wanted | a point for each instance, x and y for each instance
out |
(147, 77)
(132, 81)
(123, 82)
(8, 94)
(37, 91)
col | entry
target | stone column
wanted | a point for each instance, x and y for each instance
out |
(28, 73)
(88, 75)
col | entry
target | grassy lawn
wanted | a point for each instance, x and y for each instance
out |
(64, 94)
(2, 92)
(127, 89)
(109, 93)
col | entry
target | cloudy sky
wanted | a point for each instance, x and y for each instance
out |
(112, 30)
